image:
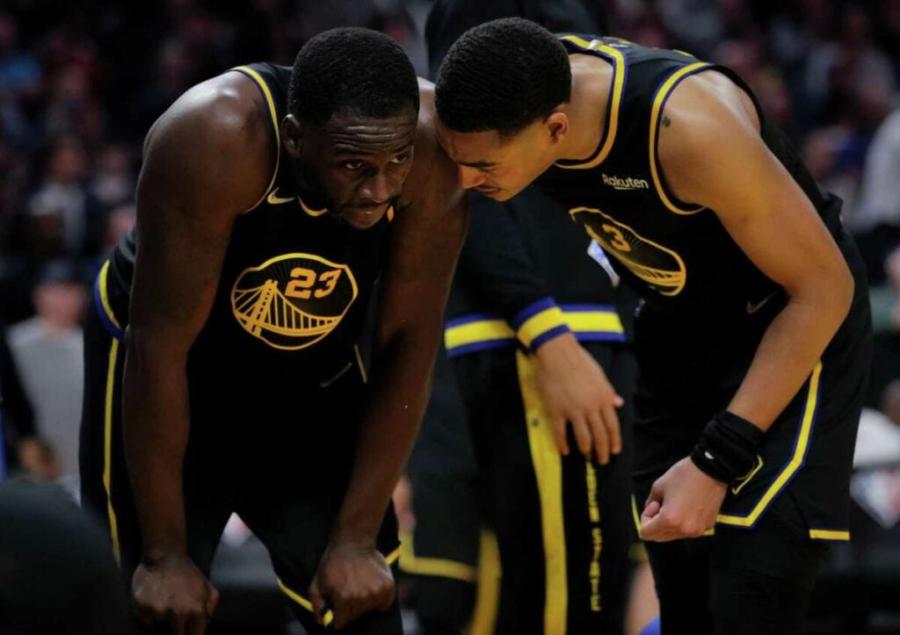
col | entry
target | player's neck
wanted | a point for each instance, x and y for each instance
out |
(591, 77)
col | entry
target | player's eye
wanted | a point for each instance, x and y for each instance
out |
(401, 158)
(351, 165)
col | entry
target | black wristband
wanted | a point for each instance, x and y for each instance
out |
(727, 447)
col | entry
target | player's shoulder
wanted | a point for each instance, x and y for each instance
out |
(426, 133)
(433, 174)
(226, 113)
(214, 139)
(706, 109)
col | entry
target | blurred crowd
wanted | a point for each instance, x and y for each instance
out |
(81, 83)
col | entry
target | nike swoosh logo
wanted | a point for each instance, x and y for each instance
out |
(274, 199)
(753, 308)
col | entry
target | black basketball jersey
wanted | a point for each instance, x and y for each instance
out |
(677, 255)
(296, 282)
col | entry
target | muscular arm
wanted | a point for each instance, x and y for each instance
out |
(425, 245)
(206, 159)
(712, 154)
(426, 239)
(773, 222)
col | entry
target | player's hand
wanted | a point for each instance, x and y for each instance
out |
(352, 580)
(174, 591)
(683, 503)
(575, 389)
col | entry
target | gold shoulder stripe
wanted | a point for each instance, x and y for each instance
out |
(273, 113)
(658, 102)
(615, 100)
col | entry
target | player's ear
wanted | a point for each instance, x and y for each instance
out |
(292, 136)
(557, 125)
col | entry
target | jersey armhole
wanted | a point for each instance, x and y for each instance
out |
(672, 203)
(273, 113)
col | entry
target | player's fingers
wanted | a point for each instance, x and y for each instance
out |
(345, 611)
(212, 601)
(177, 624)
(196, 626)
(559, 435)
(317, 600)
(650, 511)
(582, 434)
(600, 437)
(613, 428)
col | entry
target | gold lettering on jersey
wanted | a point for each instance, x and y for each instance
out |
(294, 300)
(659, 267)
(596, 536)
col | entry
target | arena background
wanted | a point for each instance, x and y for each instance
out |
(80, 84)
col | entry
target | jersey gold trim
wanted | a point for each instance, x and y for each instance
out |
(294, 300)
(273, 112)
(437, 567)
(660, 267)
(615, 100)
(107, 447)
(829, 534)
(794, 464)
(658, 102)
(310, 211)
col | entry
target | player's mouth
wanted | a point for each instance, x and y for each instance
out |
(488, 191)
(364, 216)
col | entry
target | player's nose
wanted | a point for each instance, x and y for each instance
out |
(470, 177)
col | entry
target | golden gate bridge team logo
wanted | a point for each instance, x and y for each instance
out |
(294, 300)
(658, 266)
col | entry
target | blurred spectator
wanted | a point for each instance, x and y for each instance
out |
(20, 82)
(62, 204)
(16, 415)
(878, 439)
(879, 196)
(113, 182)
(48, 351)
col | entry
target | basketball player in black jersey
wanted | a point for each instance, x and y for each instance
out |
(231, 332)
(753, 340)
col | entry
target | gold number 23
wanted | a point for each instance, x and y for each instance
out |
(304, 281)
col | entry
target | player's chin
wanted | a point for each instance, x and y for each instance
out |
(363, 217)
(495, 193)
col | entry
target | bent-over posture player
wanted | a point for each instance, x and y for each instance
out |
(753, 341)
(273, 204)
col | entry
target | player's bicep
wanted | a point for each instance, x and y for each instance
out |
(759, 203)
(186, 206)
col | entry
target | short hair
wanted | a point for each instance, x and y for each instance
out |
(502, 75)
(351, 70)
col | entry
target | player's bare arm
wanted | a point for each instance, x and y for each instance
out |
(712, 154)
(205, 161)
(429, 229)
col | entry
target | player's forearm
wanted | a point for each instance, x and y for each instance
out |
(387, 432)
(156, 425)
(789, 351)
